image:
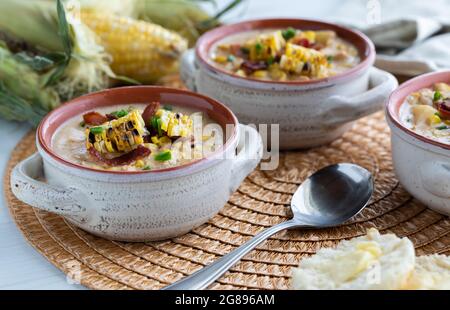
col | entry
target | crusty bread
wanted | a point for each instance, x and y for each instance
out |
(431, 273)
(373, 261)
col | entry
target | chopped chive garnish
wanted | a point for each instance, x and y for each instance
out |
(437, 96)
(120, 113)
(158, 122)
(164, 156)
(258, 48)
(442, 127)
(288, 33)
(168, 107)
(245, 50)
(146, 168)
(83, 124)
(96, 130)
(231, 58)
(330, 59)
(271, 60)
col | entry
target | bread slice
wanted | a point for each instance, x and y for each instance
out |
(373, 261)
(431, 273)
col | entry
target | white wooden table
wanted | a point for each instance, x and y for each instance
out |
(21, 267)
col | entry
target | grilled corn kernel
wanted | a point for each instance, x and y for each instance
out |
(139, 163)
(221, 59)
(261, 74)
(119, 135)
(435, 119)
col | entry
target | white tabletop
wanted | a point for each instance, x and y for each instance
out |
(21, 267)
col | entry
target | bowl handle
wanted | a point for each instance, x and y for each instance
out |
(435, 177)
(249, 154)
(188, 69)
(342, 109)
(26, 187)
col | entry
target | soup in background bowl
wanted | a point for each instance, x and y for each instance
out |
(310, 78)
(107, 162)
(417, 115)
(427, 112)
(285, 54)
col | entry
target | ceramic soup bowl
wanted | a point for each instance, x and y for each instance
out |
(138, 205)
(310, 113)
(422, 165)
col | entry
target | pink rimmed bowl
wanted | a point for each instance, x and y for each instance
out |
(144, 205)
(309, 113)
(422, 165)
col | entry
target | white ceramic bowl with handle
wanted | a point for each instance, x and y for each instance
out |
(144, 205)
(422, 165)
(310, 113)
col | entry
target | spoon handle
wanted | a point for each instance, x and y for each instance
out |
(204, 277)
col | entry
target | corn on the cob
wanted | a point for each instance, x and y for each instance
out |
(140, 50)
(120, 135)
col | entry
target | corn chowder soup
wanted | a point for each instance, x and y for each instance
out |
(137, 137)
(285, 55)
(427, 112)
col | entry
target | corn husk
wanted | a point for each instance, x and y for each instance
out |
(37, 23)
(23, 96)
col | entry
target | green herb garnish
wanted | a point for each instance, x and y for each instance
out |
(147, 168)
(164, 156)
(288, 33)
(437, 96)
(330, 59)
(258, 48)
(442, 127)
(96, 130)
(271, 60)
(168, 107)
(245, 50)
(156, 124)
(120, 113)
(82, 124)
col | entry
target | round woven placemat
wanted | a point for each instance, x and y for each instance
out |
(261, 201)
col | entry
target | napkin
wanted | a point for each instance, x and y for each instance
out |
(411, 37)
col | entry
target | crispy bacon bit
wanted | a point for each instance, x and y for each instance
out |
(251, 66)
(111, 117)
(302, 42)
(128, 158)
(444, 108)
(147, 139)
(149, 111)
(94, 118)
(236, 50)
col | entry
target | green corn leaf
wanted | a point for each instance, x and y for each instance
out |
(37, 63)
(64, 33)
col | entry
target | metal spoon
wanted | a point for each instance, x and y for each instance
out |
(328, 198)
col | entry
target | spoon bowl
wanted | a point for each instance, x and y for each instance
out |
(332, 195)
(329, 197)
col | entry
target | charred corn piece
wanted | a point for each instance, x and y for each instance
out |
(296, 57)
(175, 124)
(266, 46)
(117, 136)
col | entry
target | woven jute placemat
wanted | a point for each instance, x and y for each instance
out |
(261, 201)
